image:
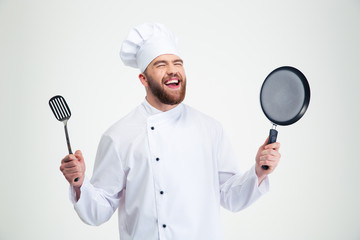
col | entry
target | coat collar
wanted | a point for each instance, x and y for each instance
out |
(155, 115)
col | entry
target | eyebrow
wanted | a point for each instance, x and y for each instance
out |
(165, 62)
(159, 62)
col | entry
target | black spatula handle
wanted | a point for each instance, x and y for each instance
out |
(68, 145)
(272, 138)
(67, 139)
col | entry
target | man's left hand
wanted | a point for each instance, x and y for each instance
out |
(269, 155)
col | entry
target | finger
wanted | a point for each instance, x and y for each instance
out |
(269, 158)
(274, 145)
(71, 170)
(68, 158)
(71, 177)
(269, 162)
(69, 164)
(270, 152)
(79, 156)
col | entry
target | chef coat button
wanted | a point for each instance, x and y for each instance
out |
(164, 225)
(152, 128)
(157, 159)
(161, 192)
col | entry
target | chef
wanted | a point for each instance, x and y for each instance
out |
(165, 166)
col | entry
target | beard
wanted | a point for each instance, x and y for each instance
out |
(164, 96)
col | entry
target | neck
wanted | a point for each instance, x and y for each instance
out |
(154, 102)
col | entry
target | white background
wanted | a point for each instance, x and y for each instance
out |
(70, 47)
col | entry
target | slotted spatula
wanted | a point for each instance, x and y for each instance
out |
(62, 113)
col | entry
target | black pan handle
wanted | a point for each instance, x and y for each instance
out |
(272, 138)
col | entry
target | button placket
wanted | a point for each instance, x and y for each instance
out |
(155, 151)
(161, 202)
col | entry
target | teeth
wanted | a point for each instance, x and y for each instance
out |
(172, 82)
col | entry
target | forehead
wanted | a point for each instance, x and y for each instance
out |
(167, 58)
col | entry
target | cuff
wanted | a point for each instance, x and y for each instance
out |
(264, 187)
(72, 193)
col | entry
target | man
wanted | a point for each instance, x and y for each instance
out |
(165, 166)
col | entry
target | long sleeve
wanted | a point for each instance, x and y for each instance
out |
(237, 190)
(100, 197)
(241, 190)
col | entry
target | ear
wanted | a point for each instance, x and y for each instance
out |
(143, 79)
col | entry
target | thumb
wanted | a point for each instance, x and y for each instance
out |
(79, 156)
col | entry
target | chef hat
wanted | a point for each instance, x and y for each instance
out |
(146, 42)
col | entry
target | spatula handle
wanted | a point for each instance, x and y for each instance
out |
(67, 139)
(68, 144)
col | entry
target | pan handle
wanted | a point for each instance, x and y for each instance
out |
(272, 138)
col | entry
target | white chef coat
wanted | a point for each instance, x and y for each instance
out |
(167, 174)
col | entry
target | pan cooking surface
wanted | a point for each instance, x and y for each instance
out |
(283, 96)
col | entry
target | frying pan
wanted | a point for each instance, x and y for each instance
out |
(284, 98)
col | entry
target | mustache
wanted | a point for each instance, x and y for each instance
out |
(173, 75)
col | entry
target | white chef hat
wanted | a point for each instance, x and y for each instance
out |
(146, 42)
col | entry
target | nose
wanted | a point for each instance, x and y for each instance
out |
(171, 69)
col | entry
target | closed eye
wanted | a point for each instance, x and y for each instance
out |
(178, 62)
(159, 63)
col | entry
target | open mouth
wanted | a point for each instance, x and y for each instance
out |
(172, 83)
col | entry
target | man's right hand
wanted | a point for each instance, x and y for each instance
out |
(73, 166)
